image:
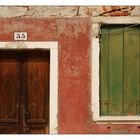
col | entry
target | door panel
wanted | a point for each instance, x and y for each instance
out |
(9, 91)
(9, 129)
(37, 89)
(24, 92)
(40, 129)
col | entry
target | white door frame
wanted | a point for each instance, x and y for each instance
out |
(52, 46)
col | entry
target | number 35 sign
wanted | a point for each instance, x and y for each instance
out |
(20, 35)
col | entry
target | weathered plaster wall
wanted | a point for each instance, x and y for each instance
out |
(74, 37)
(68, 11)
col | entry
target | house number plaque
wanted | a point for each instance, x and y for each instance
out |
(20, 36)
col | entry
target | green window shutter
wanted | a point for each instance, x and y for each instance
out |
(131, 71)
(104, 109)
(119, 70)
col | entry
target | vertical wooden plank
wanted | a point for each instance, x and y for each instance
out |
(115, 70)
(36, 69)
(37, 86)
(139, 72)
(9, 86)
(9, 92)
(104, 71)
(131, 70)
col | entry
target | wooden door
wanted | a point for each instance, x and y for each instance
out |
(24, 92)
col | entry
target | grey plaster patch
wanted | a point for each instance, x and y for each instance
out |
(11, 11)
(135, 11)
(52, 11)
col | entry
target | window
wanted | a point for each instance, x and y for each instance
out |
(118, 80)
(119, 71)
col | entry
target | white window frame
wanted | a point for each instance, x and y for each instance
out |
(52, 46)
(96, 22)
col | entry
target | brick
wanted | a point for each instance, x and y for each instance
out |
(119, 13)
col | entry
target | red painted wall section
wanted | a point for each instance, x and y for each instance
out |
(74, 38)
(74, 81)
(38, 30)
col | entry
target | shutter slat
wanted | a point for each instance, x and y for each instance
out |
(115, 70)
(131, 71)
(104, 72)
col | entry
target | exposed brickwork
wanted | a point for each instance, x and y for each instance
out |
(106, 10)
(117, 10)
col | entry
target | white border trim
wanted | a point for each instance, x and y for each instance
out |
(95, 70)
(53, 47)
(116, 20)
(53, 91)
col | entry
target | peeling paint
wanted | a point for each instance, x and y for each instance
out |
(16, 45)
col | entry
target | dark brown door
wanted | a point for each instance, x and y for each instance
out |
(24, 92)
